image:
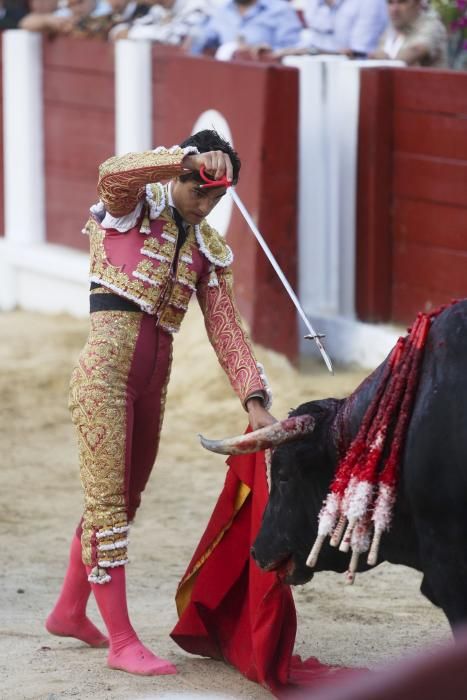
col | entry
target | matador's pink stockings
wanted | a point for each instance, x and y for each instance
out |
(68, 618)
(126, 652)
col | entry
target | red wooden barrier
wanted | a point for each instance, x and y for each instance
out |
(374, 179)
(260, 103)
(426, 179)
(79, 131)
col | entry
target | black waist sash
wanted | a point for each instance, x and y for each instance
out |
(108, 301)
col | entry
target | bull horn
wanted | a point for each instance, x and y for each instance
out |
(264, 438)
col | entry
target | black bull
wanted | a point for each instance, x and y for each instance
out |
(429, 529)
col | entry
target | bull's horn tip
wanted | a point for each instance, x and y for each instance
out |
(207, 443)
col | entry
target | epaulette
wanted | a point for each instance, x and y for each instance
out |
(213, 246)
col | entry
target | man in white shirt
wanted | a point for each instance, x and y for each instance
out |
(53, 17)
(415, 35)
(167, 22)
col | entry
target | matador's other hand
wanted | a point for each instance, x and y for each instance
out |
(216, 163)
(258, 416)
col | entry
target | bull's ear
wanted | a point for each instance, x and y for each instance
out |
(265, 438)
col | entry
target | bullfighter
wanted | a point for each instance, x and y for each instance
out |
(151, 248)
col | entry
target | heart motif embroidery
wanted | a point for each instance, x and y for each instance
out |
(94, 437)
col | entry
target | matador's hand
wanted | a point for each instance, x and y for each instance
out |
(258, 416)
(216, 163)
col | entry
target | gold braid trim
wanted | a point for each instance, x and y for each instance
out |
(164, 393)
(98, 410)
(161, 292)
(227, 335)
(101, 290)
(122, 179)
(181, 290)
(213, 245)
(101, 271)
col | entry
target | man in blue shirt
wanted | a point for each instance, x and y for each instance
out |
(352, 27)
(265, 24)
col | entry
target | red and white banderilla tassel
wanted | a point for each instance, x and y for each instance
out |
(363, 492)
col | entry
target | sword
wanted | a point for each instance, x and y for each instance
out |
(312, 335)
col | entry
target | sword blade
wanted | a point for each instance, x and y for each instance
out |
(313, 335)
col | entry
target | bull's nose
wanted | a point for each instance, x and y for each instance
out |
(253, 553)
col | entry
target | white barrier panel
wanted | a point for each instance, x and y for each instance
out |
(342, 97)
(23, 136)
(328, 138)
(50, 279)
(34, 275)
(133, 96)
(7, 279)
(316, 286)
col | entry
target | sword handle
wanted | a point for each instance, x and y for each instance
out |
(209, 182)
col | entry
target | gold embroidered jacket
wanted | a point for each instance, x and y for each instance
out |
(133, 239)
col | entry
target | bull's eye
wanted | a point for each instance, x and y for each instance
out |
(283, 478)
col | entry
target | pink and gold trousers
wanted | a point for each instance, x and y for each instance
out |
(117, 400)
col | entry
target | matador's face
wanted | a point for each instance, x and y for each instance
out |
(195, 203)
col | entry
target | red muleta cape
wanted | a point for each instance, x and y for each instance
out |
(228, 608)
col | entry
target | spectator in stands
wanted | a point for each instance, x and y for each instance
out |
(70, 19)
(352, 27)
(416, 35)
(122, 14)
(11, 13)
(167, 22)
(348, 27)
(256, 25)
(44, 16)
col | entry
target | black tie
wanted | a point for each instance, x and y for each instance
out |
(181, 231)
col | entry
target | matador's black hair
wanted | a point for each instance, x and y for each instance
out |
(210, 140)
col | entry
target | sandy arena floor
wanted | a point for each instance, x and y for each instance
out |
(383, 615)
